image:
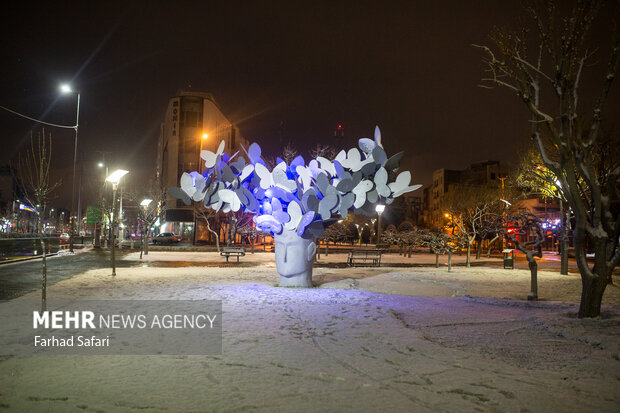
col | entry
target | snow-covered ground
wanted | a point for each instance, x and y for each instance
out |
(368, 339)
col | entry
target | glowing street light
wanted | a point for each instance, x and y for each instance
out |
(66, 89)
(379, 208)
(114, 178)
(144, 204)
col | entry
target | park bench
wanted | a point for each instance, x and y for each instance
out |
(371, 257)
(234, 251)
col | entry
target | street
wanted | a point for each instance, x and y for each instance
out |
(20, 278)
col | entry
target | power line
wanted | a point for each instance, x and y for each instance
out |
(37, 120)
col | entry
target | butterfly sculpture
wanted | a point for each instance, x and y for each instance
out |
(297, 197)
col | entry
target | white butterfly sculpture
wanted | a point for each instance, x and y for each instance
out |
(210, 158)
(297, 197)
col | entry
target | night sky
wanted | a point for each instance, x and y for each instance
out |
(283, 72)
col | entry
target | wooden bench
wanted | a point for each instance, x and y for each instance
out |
(234, 251)
(373, 257)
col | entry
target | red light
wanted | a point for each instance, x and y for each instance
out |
(339, 126)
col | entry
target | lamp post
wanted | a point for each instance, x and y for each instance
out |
(144, 204)
(379, 208)
(506, 205)
(114, 178)
(67, 89)
(99, 230)
(563, 234)
(203, 137)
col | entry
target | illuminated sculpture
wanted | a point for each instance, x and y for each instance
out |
(296, 202)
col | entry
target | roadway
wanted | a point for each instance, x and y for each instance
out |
(19, 278)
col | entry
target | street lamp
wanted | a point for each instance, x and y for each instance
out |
(144, 204)
(563, 233)
(379, 208)
(65, 89)
(99, 227)
(114, 178)
(204, 137)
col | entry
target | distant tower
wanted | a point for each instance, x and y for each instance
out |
(339, 132)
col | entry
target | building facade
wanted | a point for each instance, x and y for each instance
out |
(193, 122)
(481, 174)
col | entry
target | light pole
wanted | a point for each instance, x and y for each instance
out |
(203, 137)
(379, 208)
(144, 204)
(67, 89)
(563, 233)
(506, 205)
(114, 178)
(99, 230)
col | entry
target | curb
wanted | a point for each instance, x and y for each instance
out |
(27, 259)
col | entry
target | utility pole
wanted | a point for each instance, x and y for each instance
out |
(99, 227)
(502, 179)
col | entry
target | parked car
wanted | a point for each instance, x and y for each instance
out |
(166, 238)
(64, 236)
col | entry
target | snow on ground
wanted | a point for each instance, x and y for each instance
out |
(368, 339)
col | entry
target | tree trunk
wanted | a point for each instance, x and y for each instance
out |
(326, 248)
(564, 252)
(217, 237)
(142, 242)
(146, 242)
(533, 295)
(449, 261)
(490, 245)
(595, 280)
(592, 289)
(478, 249)
(468, 262)
(436, 260)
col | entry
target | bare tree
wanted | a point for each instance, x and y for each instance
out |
(390, 236)
(325, 151)
(33, 170)
(289, 153)
(247, 228)
(467, 210)
(334, 233)
(209, 216)
(528, 238)
(548, 83)
(149, 214)
(490, 227)
(439, 243)
(534, 178)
